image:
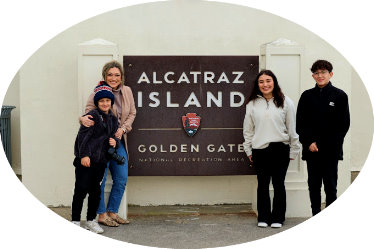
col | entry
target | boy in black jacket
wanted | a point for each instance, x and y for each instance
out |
(91, 157)
(322, 121)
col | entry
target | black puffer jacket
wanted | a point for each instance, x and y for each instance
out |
(94, 141)
(323, 117)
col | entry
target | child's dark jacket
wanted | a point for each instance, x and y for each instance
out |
(94, 141)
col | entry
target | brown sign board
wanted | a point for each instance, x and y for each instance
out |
(176, 96)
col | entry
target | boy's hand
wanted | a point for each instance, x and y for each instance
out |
(313, 147)
(85, 161)
(112, 142)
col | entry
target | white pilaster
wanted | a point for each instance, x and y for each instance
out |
(286, 59)
(92, 55)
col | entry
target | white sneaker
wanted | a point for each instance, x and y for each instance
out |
(78, 223)
(93, 226)
(262, 224)
(276, 225)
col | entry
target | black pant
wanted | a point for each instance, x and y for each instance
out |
(87, 181)
(322, 169)
(271, 163)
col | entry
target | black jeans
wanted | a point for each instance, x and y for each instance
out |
(322, 169)
(87, 181)
(271, 163)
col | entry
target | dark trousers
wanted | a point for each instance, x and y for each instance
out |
(322, 169)
(271, 163)
(87, 181)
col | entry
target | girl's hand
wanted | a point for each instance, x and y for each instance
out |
(112, 142)
(85, 161)
(86, 121)
(250, 161)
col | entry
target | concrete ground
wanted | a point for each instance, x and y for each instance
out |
(190, 227)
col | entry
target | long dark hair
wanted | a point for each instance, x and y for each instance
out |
(277, 91)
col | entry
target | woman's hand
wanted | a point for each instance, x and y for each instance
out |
(112, 142)
(85, 161)
(86, 121)
(119, 133)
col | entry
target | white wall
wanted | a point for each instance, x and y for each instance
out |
(49, 100)
(361, 125)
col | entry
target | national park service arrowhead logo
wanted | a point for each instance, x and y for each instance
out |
(191, 123)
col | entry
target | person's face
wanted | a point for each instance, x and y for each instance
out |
(113, 77)
(104, 104)
(322, 77)
(266, 85)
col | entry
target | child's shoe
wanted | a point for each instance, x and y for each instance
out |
(93, 226)
(262, 224)
(78, 223)
(276, 225)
